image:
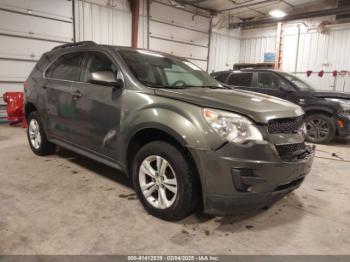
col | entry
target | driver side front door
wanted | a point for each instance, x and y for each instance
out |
(98, 107)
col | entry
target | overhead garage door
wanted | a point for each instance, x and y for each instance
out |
(28, 29)
(179, 32)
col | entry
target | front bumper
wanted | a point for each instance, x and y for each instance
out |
(238, 178)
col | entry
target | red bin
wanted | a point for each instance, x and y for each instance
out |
(15, 112)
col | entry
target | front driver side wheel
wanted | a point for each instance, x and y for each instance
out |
(164, 181)
(320, 128)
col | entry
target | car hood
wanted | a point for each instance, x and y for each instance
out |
(332, 94)
(260, 108)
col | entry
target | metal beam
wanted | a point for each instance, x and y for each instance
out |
(19, 59)
(74, 22)
(34, 15)
(312, 14)
(34, 38)
(248, 5)
(287, 3)
(179, 26)
(182, 9)
(178, 41)
(135, 11)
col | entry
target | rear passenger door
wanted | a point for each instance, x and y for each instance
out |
(98, 107)
(58, 101)
(243, 80)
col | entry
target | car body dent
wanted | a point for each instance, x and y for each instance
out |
(258, 108)
(177, 118)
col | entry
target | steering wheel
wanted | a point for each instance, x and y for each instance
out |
(179, 83)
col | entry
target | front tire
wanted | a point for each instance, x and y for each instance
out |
(320, 128)
(37, 137)
(164, 181)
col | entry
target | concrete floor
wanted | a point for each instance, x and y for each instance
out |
(68, 204)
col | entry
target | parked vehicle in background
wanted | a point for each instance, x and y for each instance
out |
(185, 140)
(327, 113)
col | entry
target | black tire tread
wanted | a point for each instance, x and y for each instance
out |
(189, 201)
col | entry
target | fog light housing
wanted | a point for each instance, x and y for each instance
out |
(244, 179)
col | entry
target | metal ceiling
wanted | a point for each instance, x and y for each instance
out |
(252, 9)
(243, 13)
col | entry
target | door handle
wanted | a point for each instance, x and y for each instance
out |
(77, 94)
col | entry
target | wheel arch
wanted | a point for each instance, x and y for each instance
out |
(321, 111)
(159, 133)
(28, 108)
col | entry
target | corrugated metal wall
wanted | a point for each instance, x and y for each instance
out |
(255, 43)
(103, 22)
(309, 50)
(224, 50)
(315, 51)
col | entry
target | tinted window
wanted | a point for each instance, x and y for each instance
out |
(66, 67)
(158, 70)
(97, 62)
(221, 77)
(302, 85)
(241, 79)
(268, 80)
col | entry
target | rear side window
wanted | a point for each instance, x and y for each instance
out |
(221, 77)
(241, 79)
(97, 62)
(66, 67)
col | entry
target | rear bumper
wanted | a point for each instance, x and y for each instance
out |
(234, 185)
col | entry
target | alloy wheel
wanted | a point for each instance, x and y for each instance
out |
(34, 133)
(158, 182)
(317, 129)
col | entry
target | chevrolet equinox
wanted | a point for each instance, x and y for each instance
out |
(185, 140)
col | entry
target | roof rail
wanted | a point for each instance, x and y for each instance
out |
(81, 43)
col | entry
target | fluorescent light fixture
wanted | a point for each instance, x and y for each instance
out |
(277, 13)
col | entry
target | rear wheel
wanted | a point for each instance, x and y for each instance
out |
(37, 137)
(320, 128)
(164, 181)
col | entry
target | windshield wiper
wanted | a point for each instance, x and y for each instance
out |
(186, 86)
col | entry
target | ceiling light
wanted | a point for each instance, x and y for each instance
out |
(277, 13)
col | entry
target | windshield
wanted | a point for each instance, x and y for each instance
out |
(157, 70)
(302, 85)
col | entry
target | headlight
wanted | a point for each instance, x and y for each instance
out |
(345, 104)
(233, 127)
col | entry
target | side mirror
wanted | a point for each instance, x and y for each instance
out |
(105, 78)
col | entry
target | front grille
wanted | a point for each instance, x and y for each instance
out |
(285, 125)
(291, 150)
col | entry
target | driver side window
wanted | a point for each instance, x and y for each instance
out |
(97, 62)
(268, 80)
